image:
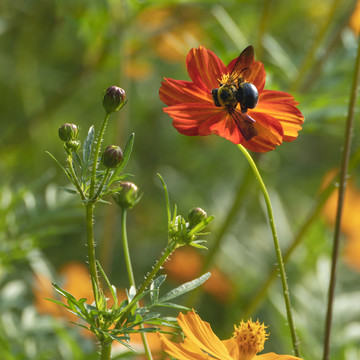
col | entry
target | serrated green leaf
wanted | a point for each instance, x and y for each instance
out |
(184, 288)
(157, 282)
(65, 171)
(111, 287)
(197, 245)
(70, 191)
(168, 210)
(119, 340)
(78, 159)
(154, 287)
(200, 226)
(172, 305)
(58, 302)
(87, 149)
(150, 315)
(63, 292)
(170, 322)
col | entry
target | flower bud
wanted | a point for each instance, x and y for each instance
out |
(128, 196)
(72, 145)
(113, 99)
(68, 132)
(112, 156)
(195, 216)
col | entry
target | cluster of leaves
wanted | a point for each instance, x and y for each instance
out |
(124, 318)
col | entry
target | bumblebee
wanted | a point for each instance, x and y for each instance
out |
(234, 89)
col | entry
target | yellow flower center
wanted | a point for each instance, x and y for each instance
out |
(224, 78)
(250, 337)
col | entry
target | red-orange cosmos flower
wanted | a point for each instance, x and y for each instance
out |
(198, 109)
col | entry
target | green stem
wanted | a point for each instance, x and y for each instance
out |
(313, 215)
(342, 188)
(105, 352)
(91, 249)
(167, 252)
(96, 155)
(277, 250)
(74, 177)
(131, 274)
(126, 248)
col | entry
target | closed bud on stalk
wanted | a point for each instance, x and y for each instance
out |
(68, 132)
(128, 196)
(195, 216)
(112, 156)
(113, 99)
(72, 145)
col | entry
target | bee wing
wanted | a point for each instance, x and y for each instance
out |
(242, 65)
(245, 124)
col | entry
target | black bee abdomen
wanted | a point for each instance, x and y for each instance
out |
(214, 93)
(248, 96)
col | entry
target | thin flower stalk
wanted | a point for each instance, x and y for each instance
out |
(312, 216)
(91, 249)
(90, 214)
(280, 261)
(74, 177)
(342, 189)
(167, 252)
(131, 274)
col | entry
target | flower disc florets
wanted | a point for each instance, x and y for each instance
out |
(250, 337)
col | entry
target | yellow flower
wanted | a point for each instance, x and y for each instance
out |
(202, 344)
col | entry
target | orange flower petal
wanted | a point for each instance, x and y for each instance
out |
(200, 334)
(270, 133)
(184, 351)
(273, 356)
(204, 68)
(282, 106)
(173, 92)
(232, 348)
(195, 119)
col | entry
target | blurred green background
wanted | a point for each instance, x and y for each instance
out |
(57, 58)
